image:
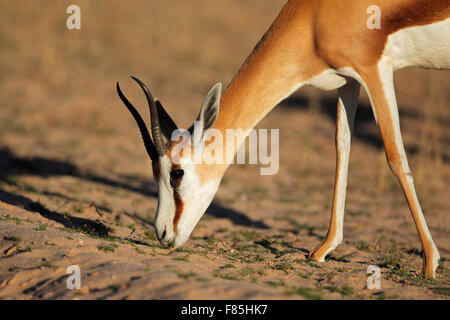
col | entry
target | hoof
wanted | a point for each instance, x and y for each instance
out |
(317, 254)
(429, 268)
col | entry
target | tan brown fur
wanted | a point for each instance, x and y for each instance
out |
(385, 123)
(343, 39)
(312, 36)
(307, 38)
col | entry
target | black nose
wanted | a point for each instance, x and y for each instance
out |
(163, 235)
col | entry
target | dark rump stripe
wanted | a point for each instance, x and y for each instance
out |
(421, 12)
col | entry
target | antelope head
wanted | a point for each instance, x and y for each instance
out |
(184, 190)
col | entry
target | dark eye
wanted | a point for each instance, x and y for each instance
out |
(175, 177)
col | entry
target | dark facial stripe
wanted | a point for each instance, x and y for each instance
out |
(178, 209)
(178, 202)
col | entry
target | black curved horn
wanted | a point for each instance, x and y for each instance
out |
(149, 146)
(154, 119)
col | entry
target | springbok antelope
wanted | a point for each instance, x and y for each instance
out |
(327, 44)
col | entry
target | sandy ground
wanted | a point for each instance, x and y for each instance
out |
(76, 186)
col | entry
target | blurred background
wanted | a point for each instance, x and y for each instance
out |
(64, 132)
(58, 86)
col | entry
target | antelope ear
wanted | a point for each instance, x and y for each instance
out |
(167, 124)
(208, 113)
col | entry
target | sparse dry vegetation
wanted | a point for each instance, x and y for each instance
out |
(76, 185)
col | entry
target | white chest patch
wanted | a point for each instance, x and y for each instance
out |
(327, 80)
(422, 46)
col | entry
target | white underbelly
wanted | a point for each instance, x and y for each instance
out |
(422, 46)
